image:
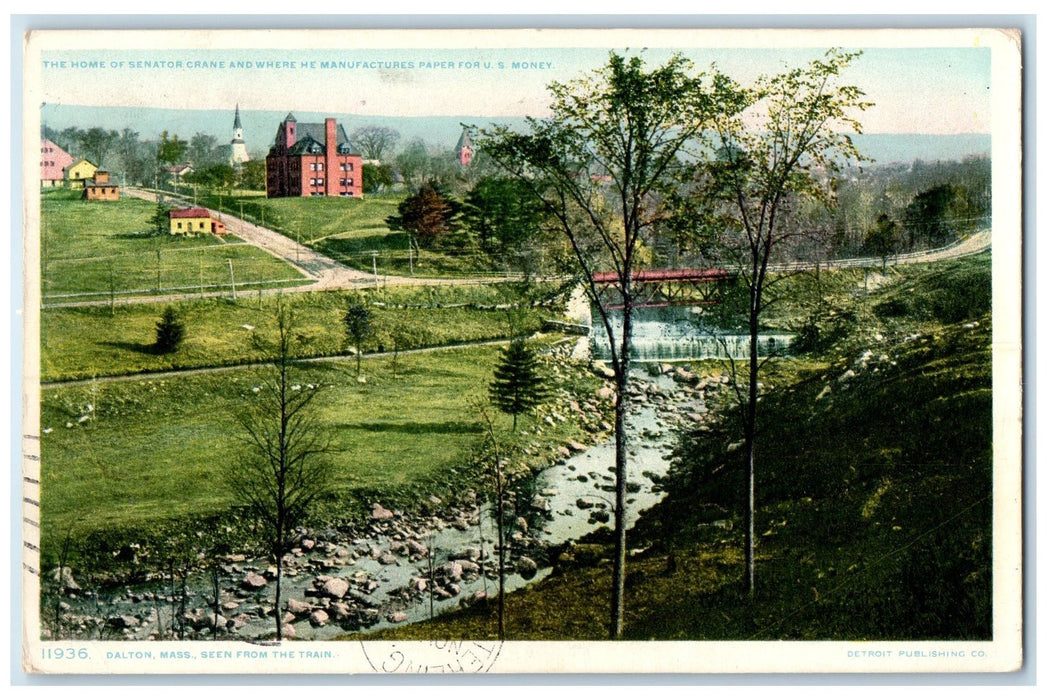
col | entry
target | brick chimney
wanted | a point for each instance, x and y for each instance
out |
(330, 158)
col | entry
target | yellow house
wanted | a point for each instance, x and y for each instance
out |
(192, 222)
(79, 172)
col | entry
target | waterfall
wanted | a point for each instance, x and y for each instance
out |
(680, 333)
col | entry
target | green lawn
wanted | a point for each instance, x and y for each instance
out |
(155, 450)
(90, 342)
(90, 248)
(353, 231)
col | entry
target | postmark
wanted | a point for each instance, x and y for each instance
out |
(443, 657)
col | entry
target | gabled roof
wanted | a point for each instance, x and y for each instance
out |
(78, 162)
(464, 141)
(314, 132)
(194, 213)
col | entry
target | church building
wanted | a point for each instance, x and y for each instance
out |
(238, 148)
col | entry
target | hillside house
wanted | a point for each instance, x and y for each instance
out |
(76, 174)
(100, 189)
(193, 222)
(312, 160)
(53, 161)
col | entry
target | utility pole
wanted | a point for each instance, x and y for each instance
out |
(112, 290)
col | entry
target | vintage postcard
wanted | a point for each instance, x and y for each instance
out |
(522, 351)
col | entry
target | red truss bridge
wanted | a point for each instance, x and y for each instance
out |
(694, 287)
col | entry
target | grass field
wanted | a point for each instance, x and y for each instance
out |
(153, 451)
(90, 342)
(352, 231)
(91, 248)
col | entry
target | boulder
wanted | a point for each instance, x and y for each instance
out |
(387, 559)
(308, 545)
(335, 588)
(398, 616)
(575, 447)
(527, 568)
(416, 548)
(287, 631)
(298, 608)
(380, 513)
(318, 618)
(339, 610)
(521, 524)
(452, 570)
(253, 581)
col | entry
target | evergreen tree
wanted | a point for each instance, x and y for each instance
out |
(518, 384)
(159, 219)
(170, 332)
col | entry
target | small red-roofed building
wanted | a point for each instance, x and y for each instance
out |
(193, 222)
(53, 162)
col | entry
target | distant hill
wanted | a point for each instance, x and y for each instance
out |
(260, 129)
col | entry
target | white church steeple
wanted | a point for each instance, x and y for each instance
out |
(239, 148)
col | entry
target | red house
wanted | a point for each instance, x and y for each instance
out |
(312, 160)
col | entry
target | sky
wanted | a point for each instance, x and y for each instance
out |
(937, 84)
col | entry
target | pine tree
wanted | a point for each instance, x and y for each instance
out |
(170, 331)
(518, 384)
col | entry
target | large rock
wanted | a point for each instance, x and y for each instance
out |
(398, 616)
(318, 618)
(452, 570)
(387, 559)
(335, 587)
(380, 513)
(287, 631)
(253, 581)
(527, 568)
(298, 608)
(416, 548)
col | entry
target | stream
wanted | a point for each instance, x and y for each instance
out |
(398, 569)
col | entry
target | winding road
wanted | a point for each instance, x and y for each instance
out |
(326, 273)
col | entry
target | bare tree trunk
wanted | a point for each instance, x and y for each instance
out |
(621, 405)
(500, 524)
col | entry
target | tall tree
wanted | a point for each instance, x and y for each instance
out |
(171, 149)
(883, 239)
(518, 384)
(413, 162)
(373, 141)
(358, 329)
(96, 143)
(600, 164)
(281, 472)
(202, 150)
(428, 215)
(507, 221)
(783, 147)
